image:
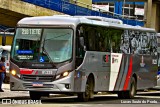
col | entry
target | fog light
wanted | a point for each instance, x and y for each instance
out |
(67, 86)
(13, 72)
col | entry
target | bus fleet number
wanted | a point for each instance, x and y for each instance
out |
(47, 72)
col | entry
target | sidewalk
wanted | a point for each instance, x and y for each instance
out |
(9, 94)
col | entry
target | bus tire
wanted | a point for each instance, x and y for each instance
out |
(35, 95)
(131, 92)
(121, 94)
(89, 91)
(132, 89)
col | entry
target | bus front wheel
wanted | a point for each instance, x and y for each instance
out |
(35, 95)
(89, 91)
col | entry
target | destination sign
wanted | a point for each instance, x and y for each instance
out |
(25, 56)
(24, 51)
(26, 31)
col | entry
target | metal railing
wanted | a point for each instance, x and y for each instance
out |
(7, 31)
(73, 9)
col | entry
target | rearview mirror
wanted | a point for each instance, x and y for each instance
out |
(81, 39)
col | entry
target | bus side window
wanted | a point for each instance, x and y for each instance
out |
(135, 39)
(115, 40)
(81, 47)
(103, 40)
(80, 50)
(153, 44)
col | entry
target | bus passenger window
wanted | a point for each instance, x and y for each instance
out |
(102, 47)
(115, 40)
(80, 51)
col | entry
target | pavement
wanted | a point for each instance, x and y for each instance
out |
(25, 94)
(10, 94)
(7, 94)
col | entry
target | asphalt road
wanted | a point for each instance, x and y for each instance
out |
(143, 99)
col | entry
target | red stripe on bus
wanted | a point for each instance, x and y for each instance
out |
(26, 71)
(128, 76)
(36, 72)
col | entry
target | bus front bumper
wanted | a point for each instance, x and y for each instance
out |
(62, 85)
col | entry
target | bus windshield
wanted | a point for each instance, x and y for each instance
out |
(42, 45)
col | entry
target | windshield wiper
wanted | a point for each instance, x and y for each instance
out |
(46, 53)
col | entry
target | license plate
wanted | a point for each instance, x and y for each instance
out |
(37, 84)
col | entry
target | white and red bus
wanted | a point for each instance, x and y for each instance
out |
(82, 55)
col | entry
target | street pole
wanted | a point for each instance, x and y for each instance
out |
(1, 30)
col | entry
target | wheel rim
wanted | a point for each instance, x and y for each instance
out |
(87, 91)
(132, 90)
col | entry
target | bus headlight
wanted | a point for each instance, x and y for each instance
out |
(64, 74)
(13, 72)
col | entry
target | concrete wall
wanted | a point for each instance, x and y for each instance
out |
(156, 14)
(152, 15)
(158, 18)
(83, 3)
(26, 8)
(8, 40)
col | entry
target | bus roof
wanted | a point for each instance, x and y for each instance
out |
(75, 20)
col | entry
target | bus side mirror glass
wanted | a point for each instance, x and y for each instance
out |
(81, 40)
(3, 40)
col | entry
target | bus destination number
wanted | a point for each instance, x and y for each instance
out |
(31, 31)
(47, 72)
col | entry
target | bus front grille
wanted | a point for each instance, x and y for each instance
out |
(39, 78)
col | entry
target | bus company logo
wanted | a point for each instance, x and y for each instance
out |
(114, 60)
(35, 72)
(106, 58)
(115, 56)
